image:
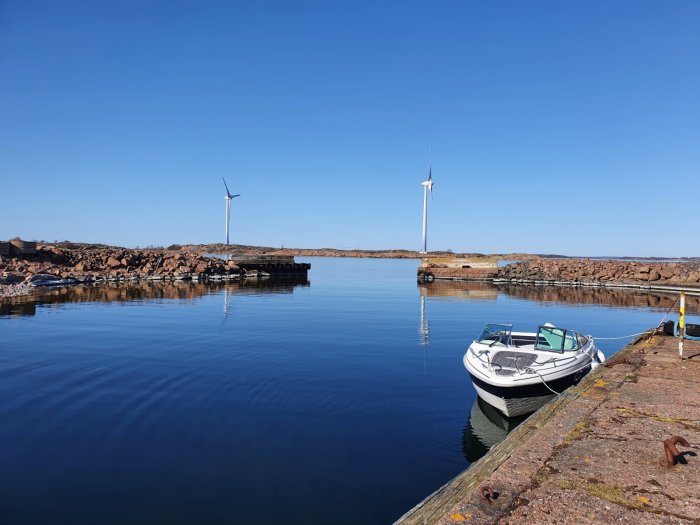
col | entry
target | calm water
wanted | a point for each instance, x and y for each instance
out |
(321, 402)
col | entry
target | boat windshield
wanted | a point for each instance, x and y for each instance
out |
(556, 339)
(496, 333)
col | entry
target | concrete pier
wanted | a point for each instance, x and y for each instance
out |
(275, 265)
(457, 268)
(595, 454)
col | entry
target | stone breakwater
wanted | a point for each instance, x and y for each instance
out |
(51, 265)
(591, 271)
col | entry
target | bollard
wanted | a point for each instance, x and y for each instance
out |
(673, 456)
(681, 326)
(488, 494)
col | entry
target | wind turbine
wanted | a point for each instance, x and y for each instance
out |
(228, 199)
(427, 186)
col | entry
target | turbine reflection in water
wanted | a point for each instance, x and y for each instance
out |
(227, 303)
(424, 331)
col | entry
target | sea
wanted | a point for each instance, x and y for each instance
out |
(341, 398)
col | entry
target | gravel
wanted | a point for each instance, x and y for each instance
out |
(15, 290)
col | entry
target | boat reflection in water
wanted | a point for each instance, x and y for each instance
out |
(485, 428)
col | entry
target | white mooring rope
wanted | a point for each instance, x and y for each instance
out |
(641, 333)
(543, 381)
(621, 337)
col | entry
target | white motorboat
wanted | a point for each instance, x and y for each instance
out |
(518, 372)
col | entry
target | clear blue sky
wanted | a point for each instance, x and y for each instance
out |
(556, 126)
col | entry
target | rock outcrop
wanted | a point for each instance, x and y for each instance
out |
(104, 264)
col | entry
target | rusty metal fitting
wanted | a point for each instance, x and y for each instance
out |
(488, 494)
(672, 453)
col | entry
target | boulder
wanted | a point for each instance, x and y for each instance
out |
(12, 278)
(666, 273)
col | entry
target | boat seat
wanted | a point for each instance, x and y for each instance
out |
(515, 360)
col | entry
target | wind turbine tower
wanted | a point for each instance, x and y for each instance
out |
(427, 187)
(228, 200)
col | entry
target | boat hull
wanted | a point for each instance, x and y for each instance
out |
(515, 401)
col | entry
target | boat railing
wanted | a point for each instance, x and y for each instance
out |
(479, 355)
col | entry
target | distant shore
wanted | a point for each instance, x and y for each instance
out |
(239, 249)
(242, 249)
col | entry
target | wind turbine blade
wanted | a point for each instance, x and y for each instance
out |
(226, 186)
(430, 173)
(234, 196)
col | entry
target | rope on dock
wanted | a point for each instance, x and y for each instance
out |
(621, 337)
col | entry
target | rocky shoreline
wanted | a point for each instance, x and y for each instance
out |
(20, 274)
(50, 265)
(601, 272)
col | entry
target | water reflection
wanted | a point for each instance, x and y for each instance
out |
(424, 329)
(458, 289)
(614, 297)
(17, 308)
(485, 428)
(149, 291)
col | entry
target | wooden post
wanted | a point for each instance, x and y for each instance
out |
(681, 326)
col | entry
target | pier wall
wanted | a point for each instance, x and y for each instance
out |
(272, 265)
(457, 268)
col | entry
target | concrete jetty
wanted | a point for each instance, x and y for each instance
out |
(599, 453)
(274, 265)
(457, 268)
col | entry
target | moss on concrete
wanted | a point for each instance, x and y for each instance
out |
(680, 421)
(578, 431)
(601, 490)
